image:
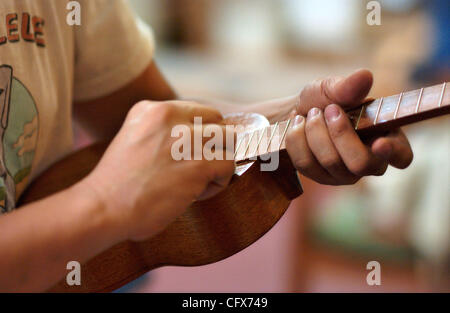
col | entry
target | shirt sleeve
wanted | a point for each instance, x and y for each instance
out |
(112, 47)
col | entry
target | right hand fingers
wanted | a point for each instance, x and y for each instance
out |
(211, 160)
(216, 165)
(173, 112)
(198, 142)
(220, 174)
(193, 110)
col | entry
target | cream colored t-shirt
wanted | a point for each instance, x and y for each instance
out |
(46, 64)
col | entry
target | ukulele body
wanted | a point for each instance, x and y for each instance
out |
(209, 231)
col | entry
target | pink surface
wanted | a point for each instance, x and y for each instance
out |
(263, 267)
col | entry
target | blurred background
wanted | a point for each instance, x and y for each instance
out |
(250, 50)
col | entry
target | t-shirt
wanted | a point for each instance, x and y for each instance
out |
(46, 64)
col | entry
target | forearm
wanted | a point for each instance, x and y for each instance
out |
(39, 239)
(102, 118)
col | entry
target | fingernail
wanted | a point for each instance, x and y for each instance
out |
(298, 120)
(332, 113)
(313, 113)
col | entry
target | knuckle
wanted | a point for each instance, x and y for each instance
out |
(305, 91)
(360, 167)
(139, 113)
(139, 107)
(338, 129)
(169, 113)
(302, 163)
(292, 137)
(325, 88)
(144, 104)
(331, 162)
(215, 113)
(166, 110)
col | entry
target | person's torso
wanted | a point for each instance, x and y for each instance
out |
(36, 91)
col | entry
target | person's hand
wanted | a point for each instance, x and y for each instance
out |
(323, 144)
(140, 184)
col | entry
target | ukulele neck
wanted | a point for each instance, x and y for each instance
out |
(372, 118)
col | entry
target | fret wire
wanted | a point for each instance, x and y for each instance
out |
(360, 116)
(248, 145)
(271, 137)
(442, 94)
(398, 106)
(238, 146)
(259, 142)
(378, 111)
(284, 134)
(419, 100)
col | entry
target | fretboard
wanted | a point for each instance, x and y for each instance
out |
(372, 118)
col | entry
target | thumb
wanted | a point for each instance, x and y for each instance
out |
(347, 92)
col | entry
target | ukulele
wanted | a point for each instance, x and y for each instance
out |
(215, 229)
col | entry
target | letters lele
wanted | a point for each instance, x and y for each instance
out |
(22, 26)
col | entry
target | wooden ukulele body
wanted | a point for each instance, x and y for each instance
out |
(209, 231)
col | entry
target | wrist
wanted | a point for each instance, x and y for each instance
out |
(100, 214)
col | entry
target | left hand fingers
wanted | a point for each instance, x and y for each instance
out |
(347, 91)
(395, 148)
(357, 157)
(324, 149)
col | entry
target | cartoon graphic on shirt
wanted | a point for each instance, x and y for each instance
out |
(18, 137)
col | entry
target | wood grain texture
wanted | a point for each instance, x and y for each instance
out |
(208, 232)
